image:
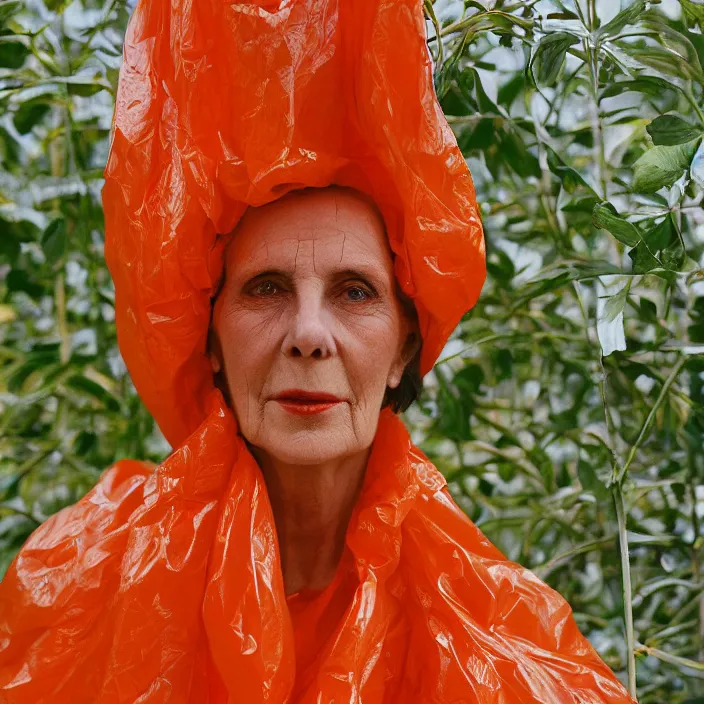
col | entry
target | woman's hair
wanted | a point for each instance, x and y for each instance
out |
(411, 384)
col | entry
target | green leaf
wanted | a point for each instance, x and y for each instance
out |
(669, 130)
(12, 53)
(643, 259)
(473, 79)
(545, 465)
(628, 16)
(661, 235)
(501, 267)
(571, 179)
(54, 241)
(29, 114)
(85, 442)
(510, 91)
(655, 240)
(605, 217)
(92, 388)
(653, 86)
(507, 471)
(581, 205)
(57, 6)
(589, 479)
(661, 166)
(9, 246)
(550, 56)
(13, 233)
(454, 410)
(479, 138)
(84, 86)
(39, 364)
(673, 257)
(696, 169)
(648, 310)
(469, 379)
(693, 12)
(7, 9)
(615, 305)
(665, 61)
(19, 280)
(564, 15)
(513, 151)
(502, 360)
(84, 90)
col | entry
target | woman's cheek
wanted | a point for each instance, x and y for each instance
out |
(379, 331)
(372, 349)
(250, 333)
(247, 341)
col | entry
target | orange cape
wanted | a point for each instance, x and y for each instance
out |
(165, 585)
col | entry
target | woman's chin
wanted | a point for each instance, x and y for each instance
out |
(306, 446)
(301, 439)
(311, 439)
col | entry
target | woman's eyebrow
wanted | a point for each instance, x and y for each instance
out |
(376, 273)
(363, 272)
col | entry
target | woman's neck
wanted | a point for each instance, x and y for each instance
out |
(312, 506)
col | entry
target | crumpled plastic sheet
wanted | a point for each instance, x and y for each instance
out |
(164, 584)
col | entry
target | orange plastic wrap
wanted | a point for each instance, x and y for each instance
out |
(165, 585)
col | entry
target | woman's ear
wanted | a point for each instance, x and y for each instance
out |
(409, 349)
(214, 351)
(411, 346)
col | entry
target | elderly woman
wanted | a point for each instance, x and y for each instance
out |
(312, 339)
(293, 235)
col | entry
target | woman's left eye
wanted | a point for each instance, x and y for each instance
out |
(357, 293)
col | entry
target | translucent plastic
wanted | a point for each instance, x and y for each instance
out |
(165, 585)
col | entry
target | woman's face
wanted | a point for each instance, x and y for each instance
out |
(309, 305)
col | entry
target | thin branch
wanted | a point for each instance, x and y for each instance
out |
(626, 587)
(651, 417)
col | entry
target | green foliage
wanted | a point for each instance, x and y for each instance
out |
(568, 410)
(67, 407)
(578, 448)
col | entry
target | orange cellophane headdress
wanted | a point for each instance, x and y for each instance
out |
(227, 105)
(164, 585)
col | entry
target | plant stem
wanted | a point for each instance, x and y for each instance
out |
(545, 569)
(599, 156)
(696, 547)
(626, 587)
(651, 416)
(610, 431)
(60, 299)
(673, 659)
(693, 102)
(430, 10)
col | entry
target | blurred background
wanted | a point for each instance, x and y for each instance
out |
(567, 412)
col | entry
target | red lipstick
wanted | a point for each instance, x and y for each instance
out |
(306, 403)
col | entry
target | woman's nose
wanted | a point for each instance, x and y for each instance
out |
(309, 333)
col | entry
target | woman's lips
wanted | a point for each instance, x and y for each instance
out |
(306, 403)
(305, 408)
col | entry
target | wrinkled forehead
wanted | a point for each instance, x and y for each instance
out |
(316, 225)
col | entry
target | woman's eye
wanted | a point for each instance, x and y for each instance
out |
(357, 293)
(266, 288)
